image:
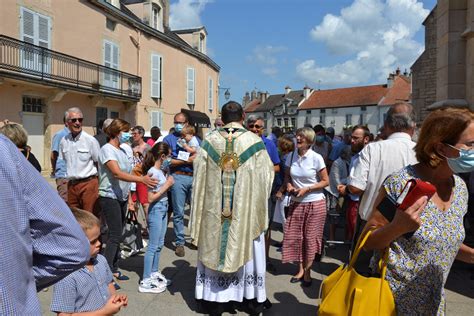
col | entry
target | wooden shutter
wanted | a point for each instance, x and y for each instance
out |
(111, 59)
(156, 62)
(190, 86)
(28, 26)
(156, 119)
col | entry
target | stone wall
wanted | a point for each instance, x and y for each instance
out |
(424, 71)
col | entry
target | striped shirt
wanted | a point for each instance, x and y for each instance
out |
(83, 290)
(41, 242)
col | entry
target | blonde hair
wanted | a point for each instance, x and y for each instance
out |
(16, 133)
(86, 219)
(188, 130)
(308, 133)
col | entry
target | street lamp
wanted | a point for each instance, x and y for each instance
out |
(226, 93)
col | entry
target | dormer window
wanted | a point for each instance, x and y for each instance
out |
(202, 45)
(156, 17)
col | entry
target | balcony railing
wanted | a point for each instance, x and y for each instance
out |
(27, 61)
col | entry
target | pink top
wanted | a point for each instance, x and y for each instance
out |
(150, 142)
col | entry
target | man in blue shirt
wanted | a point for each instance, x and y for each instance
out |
(41, 240)
(256, 125)
(58, 165)
(182, 172)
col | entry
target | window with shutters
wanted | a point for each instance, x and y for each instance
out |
(210, 102)
(156, 119)
(35, 29)
(156, 70)
(111, 60)
(190, 86)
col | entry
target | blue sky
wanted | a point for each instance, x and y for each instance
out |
(269, 44)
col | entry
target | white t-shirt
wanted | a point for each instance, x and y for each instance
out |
(160, 176)
(304, 173)
(109, 186)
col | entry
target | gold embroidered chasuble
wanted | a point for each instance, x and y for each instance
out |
(232, 180)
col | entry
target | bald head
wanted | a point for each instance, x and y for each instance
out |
(400, 118)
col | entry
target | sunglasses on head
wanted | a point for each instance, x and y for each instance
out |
(255, 125)
(74, 120)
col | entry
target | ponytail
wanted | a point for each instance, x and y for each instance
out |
(154, 154)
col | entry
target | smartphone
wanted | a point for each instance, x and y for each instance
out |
(413, 190)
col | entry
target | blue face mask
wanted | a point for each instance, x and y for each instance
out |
(166, 164)
(124, 137)
(178, 127)
(320, 138)
(462, 164)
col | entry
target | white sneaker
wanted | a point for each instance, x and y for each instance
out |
(151, 286)
(160, 277)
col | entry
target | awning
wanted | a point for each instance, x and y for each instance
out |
(197, 119)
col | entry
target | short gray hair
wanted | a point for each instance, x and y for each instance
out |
(72, 110)
(254, 118)
(400, 117)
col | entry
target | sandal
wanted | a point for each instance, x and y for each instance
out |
(121, 277)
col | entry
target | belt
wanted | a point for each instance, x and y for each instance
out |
(184, 173)
(76, 181)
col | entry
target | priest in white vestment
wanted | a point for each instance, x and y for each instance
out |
(232, 181)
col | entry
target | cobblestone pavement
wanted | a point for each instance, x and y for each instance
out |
(287, 298)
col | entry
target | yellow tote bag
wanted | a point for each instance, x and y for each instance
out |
(345, 292)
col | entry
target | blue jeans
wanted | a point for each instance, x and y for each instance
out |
(157, 224)
(180, 193)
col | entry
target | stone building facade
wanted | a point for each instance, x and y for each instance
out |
(444, 73)
(424, 71)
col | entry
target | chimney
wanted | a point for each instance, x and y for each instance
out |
(263, 97)
(253, 95)
(397, 72)
(306, 92)
(287, 89)
(390, 79)
(166, 15)
(246, 99)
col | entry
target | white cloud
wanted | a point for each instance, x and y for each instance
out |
(186, 14)
(268, 58)
(376, 36)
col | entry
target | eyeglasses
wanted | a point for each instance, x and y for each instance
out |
(179, 122)
(256, 126)
(74, 120)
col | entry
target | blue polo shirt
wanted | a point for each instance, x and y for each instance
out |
(172, 141)
(60, 171)
(83, 290)
(272, 150)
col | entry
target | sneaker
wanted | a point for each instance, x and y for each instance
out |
(160, 277)
(179, 251)
(133, 252)
(151, 286)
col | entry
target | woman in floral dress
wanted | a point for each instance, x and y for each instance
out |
(418, 266)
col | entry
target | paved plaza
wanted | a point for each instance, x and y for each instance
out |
(287, 298)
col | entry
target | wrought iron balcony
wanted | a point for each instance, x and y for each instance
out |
(25, 61)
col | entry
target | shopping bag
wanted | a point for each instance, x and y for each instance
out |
(345, 292)
(132, 232)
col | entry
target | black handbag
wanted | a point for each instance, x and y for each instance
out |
(132, 232)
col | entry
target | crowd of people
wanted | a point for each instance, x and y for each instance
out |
(239, 184)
